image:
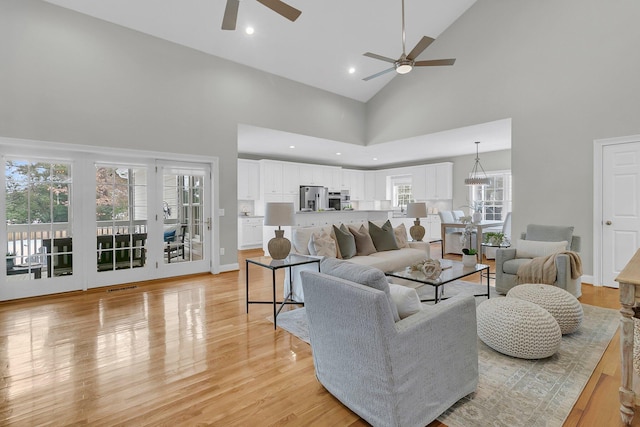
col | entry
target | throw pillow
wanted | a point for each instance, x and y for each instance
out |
(364, 244)
(363, 274)
(335, 239)
(402, 239)
(346, 241)
(322, 244)
(550, 233)
(533, 248)
(383, 237)
(406, 300)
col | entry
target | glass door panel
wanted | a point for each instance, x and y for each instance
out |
(38, 214)
(121, 217)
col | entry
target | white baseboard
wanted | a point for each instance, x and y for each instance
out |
(229, 267)
(588, 279)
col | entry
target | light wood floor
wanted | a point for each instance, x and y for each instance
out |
(184, 352)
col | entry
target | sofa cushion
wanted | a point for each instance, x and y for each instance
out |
(364, 244)
(301, 236)
(550, 233)
(346, 241)
(383, 237)
(533, 248)
(406, 300)
(322, 244)
(391, 260)
(511, 266)
(402, 239)
(365, 275)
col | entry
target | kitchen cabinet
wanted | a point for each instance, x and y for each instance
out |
(369, 185)
(290, 178)
(439, 181)
(271, 173)
(248, 180)
(311, 175)
(332, 178)
(419, 183)
(250, 233)
(381, 185)
(353, 180)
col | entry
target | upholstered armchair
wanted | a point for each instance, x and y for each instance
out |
(390, 373)
(508, 260)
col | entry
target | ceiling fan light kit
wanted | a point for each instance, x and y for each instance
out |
(406, 63)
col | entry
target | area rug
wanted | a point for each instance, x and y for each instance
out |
(516, 392)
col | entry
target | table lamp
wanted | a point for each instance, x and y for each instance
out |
(417, 211)
(279, 213)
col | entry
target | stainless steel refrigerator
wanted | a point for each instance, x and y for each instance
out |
(313, 198)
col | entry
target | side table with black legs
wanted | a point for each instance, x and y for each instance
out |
(267, 262)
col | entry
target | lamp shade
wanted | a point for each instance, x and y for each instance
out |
(417, 210)
(279, 213)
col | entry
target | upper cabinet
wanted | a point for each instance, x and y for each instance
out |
(332, 178)
(439, 181)
(272, 177)
(312, 175)
(353, 180)
(419, 182)
(248, 180)
(290, 178)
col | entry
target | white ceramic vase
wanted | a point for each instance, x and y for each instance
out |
(468, 260)
(477, 217)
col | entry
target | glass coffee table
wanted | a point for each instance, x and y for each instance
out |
(451, 271)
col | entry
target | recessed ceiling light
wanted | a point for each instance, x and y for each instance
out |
(249, 30)
(352, 70)
(375, 158)
(292, 146)
(338, 154)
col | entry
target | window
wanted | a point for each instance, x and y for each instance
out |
(494, 199)
(401, 190)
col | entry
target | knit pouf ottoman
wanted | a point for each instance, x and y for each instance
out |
(518, 328)
(563, 306)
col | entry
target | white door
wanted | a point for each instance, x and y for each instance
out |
(186, 218)
(620, 208)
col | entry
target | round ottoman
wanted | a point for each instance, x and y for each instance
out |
(563, 306)
(518, 328)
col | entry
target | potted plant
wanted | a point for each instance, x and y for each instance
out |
(494, 239)
(469, 257)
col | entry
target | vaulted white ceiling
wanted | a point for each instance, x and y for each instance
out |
(317, 49)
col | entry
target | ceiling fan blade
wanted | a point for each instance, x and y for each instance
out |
(230, 15)
(420, 47)
(380, 57)
(379, 74)
(435, 62)
(289, 12)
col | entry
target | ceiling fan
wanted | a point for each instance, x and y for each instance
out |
(231, 12)
(406, 62)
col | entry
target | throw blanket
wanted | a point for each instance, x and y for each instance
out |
(543, 269)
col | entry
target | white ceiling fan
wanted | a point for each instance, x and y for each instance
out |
(405, 63)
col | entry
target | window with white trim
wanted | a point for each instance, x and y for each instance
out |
(401, 190)
(493, 200)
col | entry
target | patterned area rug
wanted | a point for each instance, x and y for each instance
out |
(516, 392)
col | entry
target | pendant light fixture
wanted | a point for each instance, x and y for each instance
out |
(476, 177)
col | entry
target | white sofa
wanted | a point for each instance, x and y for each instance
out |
(385, 261)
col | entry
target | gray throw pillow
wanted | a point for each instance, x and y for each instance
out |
(550, 233)
(383, 237)
(364, 244)
(346, 241)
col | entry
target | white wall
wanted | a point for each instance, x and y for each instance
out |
(565, 71)
(66, 77)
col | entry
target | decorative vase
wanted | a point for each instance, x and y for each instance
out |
(417, 231)
(469, 260)
(477, 217)
(279, 247)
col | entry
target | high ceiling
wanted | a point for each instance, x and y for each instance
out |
(317, 49)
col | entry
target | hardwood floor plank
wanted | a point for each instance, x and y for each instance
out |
(183, 351)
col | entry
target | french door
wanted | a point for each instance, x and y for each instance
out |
(77, 223)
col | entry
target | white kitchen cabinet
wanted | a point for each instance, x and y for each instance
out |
(381, 186)
(311, 175)
(249, 233)
(248, 180)
(332, 178)
(353, 180)
(369, 185)
(271, 173)
(439, 181)
(433, 231)
(290, 178)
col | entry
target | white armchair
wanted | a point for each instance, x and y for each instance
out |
(403, 373)
(508, 261)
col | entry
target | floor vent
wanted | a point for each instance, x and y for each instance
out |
(126, 288)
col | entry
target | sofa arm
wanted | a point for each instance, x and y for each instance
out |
(563, 276)
(504, 255)
(423, 246)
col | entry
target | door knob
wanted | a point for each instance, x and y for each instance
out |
(608, 223)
